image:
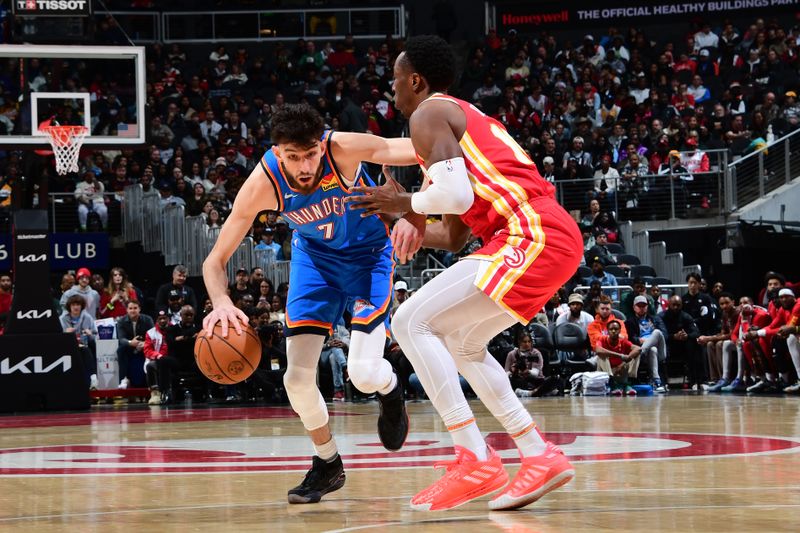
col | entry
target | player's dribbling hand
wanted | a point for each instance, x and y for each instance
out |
(226, 314)
(407, 236)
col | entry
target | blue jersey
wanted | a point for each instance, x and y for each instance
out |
(340, 261)
(322, 222)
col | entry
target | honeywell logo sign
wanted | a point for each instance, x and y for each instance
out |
(32, 258)
(34, 314)
(35, 365)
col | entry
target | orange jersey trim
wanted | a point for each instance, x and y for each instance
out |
(382, 309)
(274, 184)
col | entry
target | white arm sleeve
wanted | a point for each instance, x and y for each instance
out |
(450, 191)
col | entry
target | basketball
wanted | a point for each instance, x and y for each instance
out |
(228, 360)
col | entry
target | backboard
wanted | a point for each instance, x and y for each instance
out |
(100, 87)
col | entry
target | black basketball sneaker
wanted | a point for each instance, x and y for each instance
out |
(393, 418)
(324, 477)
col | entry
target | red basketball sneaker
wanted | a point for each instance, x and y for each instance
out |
(466, 478)
(536, 477)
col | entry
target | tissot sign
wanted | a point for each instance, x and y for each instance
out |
(532, 16)
(49, 8)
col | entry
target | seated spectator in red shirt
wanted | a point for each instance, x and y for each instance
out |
(619, 358)
(158, 364)
(719, 347)
(751, 318)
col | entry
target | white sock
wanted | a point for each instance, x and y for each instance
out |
(461, 424)
(327, 451)
(530, 441)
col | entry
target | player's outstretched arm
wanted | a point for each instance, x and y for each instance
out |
(357, 147)
(255, 195)
(450, 190)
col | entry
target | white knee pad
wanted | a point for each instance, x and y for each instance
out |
(300, 380)
(305, 398)
(369, 371)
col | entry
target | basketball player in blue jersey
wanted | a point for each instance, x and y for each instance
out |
(340, 260)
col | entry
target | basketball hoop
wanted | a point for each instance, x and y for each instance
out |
(66, 142)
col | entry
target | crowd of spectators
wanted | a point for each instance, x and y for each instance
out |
(631, 114)
(704, 338)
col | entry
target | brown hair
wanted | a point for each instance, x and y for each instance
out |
(76, 299)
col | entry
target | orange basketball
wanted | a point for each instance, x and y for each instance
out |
(228, 360)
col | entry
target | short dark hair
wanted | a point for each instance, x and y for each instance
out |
(431, 57)
(726, 294)
(617, 322)
(775, 275)
(638, 281)
(694, 275)
(297, 124)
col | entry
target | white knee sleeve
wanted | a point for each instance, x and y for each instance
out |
(369, 371)
(300, 380)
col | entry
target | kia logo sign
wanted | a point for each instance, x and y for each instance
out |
(33, 314)
(32, 258)
(35, 365)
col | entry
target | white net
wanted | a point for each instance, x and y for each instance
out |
(66, 142)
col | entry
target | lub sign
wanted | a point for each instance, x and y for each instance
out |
(67, 251)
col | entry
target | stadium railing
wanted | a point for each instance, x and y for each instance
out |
(762, 171)
(656, 196)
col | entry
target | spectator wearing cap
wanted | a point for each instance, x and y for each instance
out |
(167, 196)
(158, 364)
(548, 169)
(780, 334)
(576, 314)
(178, 283)
(82, 288)
(577, 153)
(234, 159)
(639, 289)
(181, 337)
(605, 279)
(89, 195)
(268, 244)
(648, 331)
(241, 285)
(400, 294)
(174, 305)
(790, 111)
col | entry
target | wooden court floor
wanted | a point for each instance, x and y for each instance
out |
(678, 463)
